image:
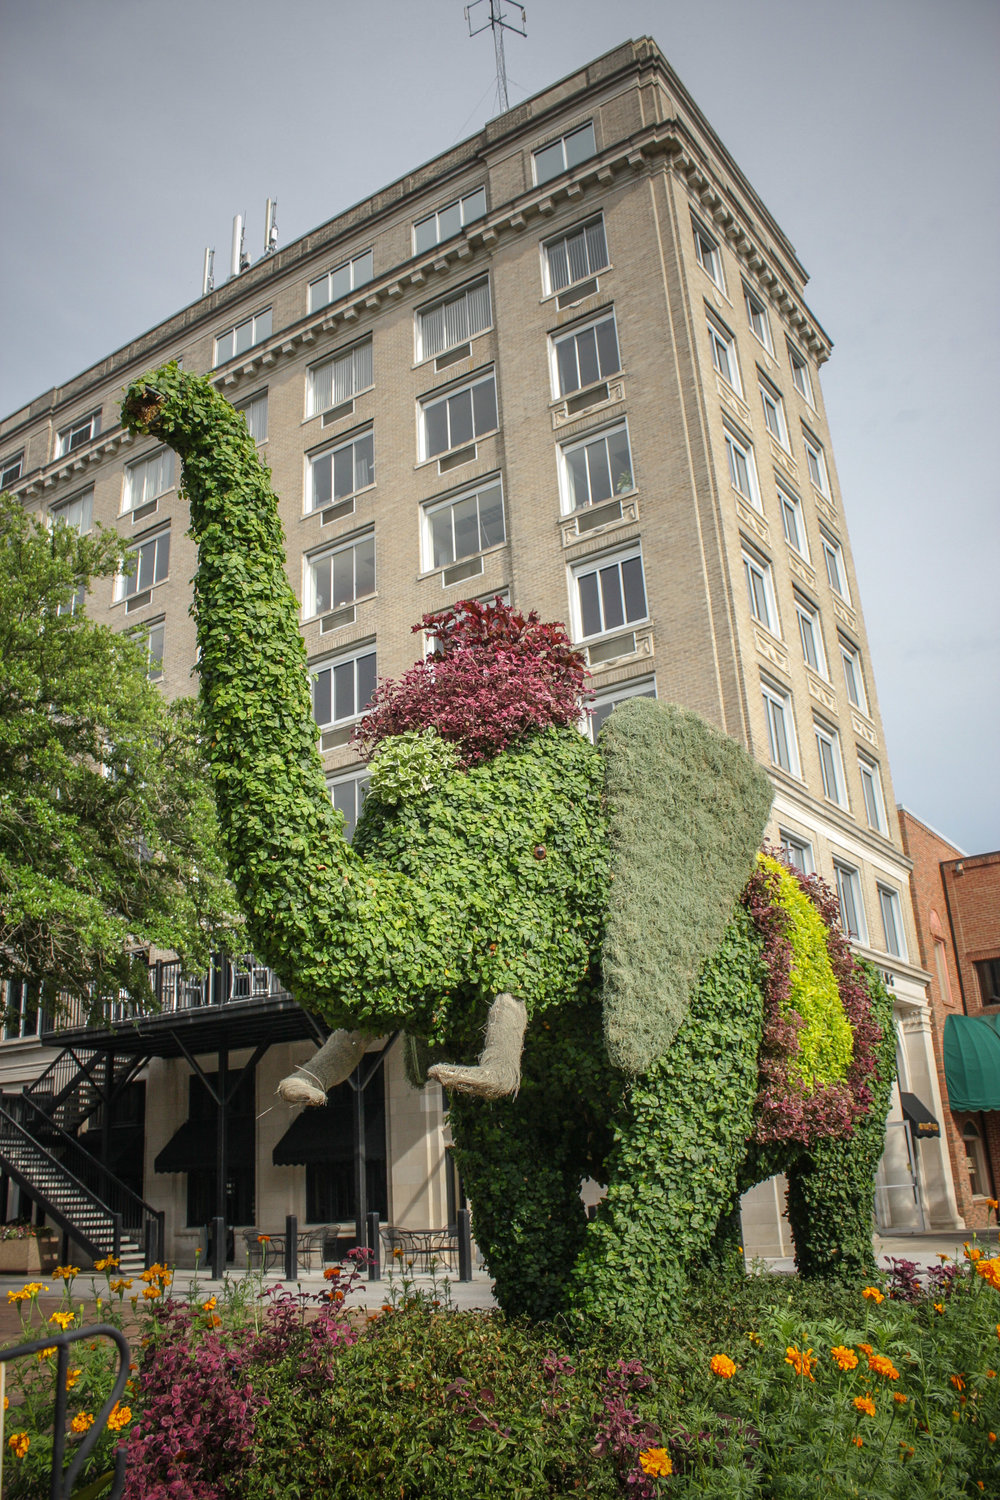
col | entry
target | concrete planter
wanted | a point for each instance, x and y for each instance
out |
(36, 1253)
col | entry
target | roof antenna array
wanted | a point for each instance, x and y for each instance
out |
(271, 226)
(498, 21)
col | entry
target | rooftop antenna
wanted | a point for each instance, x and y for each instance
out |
(271, 226)
(237, 254)
(208, 272)
(498, 21)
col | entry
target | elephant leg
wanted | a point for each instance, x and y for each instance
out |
(335, 1061)
(498, 1072)
(831, 1192)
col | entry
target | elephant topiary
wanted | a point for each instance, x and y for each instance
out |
(645, 1025)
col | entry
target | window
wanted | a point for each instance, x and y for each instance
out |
(892, 921)
(596, 468)
(760, 591)
(78, 512)
(463, 526)
(343, 688)
(603, 703)
(988, 974)
(853, 676)
(460, 417)
(348, 793)
(798, 851)
(146, 480)
(742, 469)
(852, 911)
(724, 354)
(339, 379)
(760, 325)
(77, 434)
(243, 336)
(792, 522)
(10, 470)
(800, 374)
(454, 319)
(576, 255)
(19, 1010)
(780, 728)
(585, 356)
(707, 251)
(254, 411)
(831, 764)
(811, 635)
(341, 471)
(448, 221)
(609, 593)
(145, 565)
(340, 576)
(833, 556)
(152, 640)
(774, 412)
(975, 1161)
(816, 463)
(340, 281)
(871, 786)
(568, 151)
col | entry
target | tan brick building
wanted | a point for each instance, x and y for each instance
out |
(569, 360)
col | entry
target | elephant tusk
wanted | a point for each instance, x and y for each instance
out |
(498, 1073)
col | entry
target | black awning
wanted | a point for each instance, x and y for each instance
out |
(192, 1147)
(315, 1135)
(921, 1120)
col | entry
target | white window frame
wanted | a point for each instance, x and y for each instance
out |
(724, 359)
(154, 631)
(592, 242)
(461, 294)
(310, 608)
(362, 375)
(329, 451)
(801, 378)
(850, 658)
(359, 781)
(331, 664)
(360, 270)
(609, 699)
(831, 763)
(449, 502)
(469, 212)
(848, 879)
(559, 340)
(570, 155)
(819, 474)
(259, 325)
(594, 439)
(20, 1021)
(833, 560)
(596, 565)
(11, 469)
(251, 407)
(761, 600)
(706, 249)
(156, 469)
(757, 317)
(73, 511)
(738, 448)
(69, 438)
(874, 797)
(811, 628)
(792, 505)
(889, 901)
(774, 411)
(778, 701)
(794, 844)
(442, 397)
(127, 585)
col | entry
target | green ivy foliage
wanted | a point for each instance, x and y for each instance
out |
(410, 765)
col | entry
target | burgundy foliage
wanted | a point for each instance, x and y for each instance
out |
(623, 1433)
(494, 677)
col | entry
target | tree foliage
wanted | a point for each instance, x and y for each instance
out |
(107, 828)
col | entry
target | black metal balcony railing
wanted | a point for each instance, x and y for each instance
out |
(228, 982)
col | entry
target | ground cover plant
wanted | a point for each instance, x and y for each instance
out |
(763, 1388)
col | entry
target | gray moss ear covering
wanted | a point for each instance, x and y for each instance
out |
(687, 808)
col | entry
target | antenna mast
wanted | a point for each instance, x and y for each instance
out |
(498, 21)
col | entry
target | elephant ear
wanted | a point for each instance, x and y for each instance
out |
(687, 808)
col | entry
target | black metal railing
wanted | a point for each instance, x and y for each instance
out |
(175, 992)
(62, 1482)
(76, 1083)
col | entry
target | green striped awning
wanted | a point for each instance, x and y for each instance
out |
(972, 1061)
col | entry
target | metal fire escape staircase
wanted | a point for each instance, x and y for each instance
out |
(40, 1152)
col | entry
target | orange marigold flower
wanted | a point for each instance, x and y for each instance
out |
(844, 1358)
(72, 1376)
(972, 1252)
(263, 1239)
(957, 1381)
(107, 1263)
(882, 1365)
(119, 1417)
(19, 1442)
(119, 1284)
(64, 1319)
(152, 1292)
(331, 1273)
(866, 1349)
(858, 1442)
(722, 1366)
(66, 1273)
(991, 1437)
(900, 1398)
(872, 1294)
(865, 1404)
(337, 1296)
(990, 1271)
(46, 1353)
(939, 1307)
(906, 1451)
(209, 1304)
(82, 1421)
(656, 1461)
(801, 1361)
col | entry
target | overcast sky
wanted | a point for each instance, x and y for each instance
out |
(133, 130)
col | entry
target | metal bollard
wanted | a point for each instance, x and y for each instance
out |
(464, 1245)
(218, 1229)
(291, 1248)
(375, 1246)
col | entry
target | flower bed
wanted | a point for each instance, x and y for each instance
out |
(768, 1387)
(24, 1249)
